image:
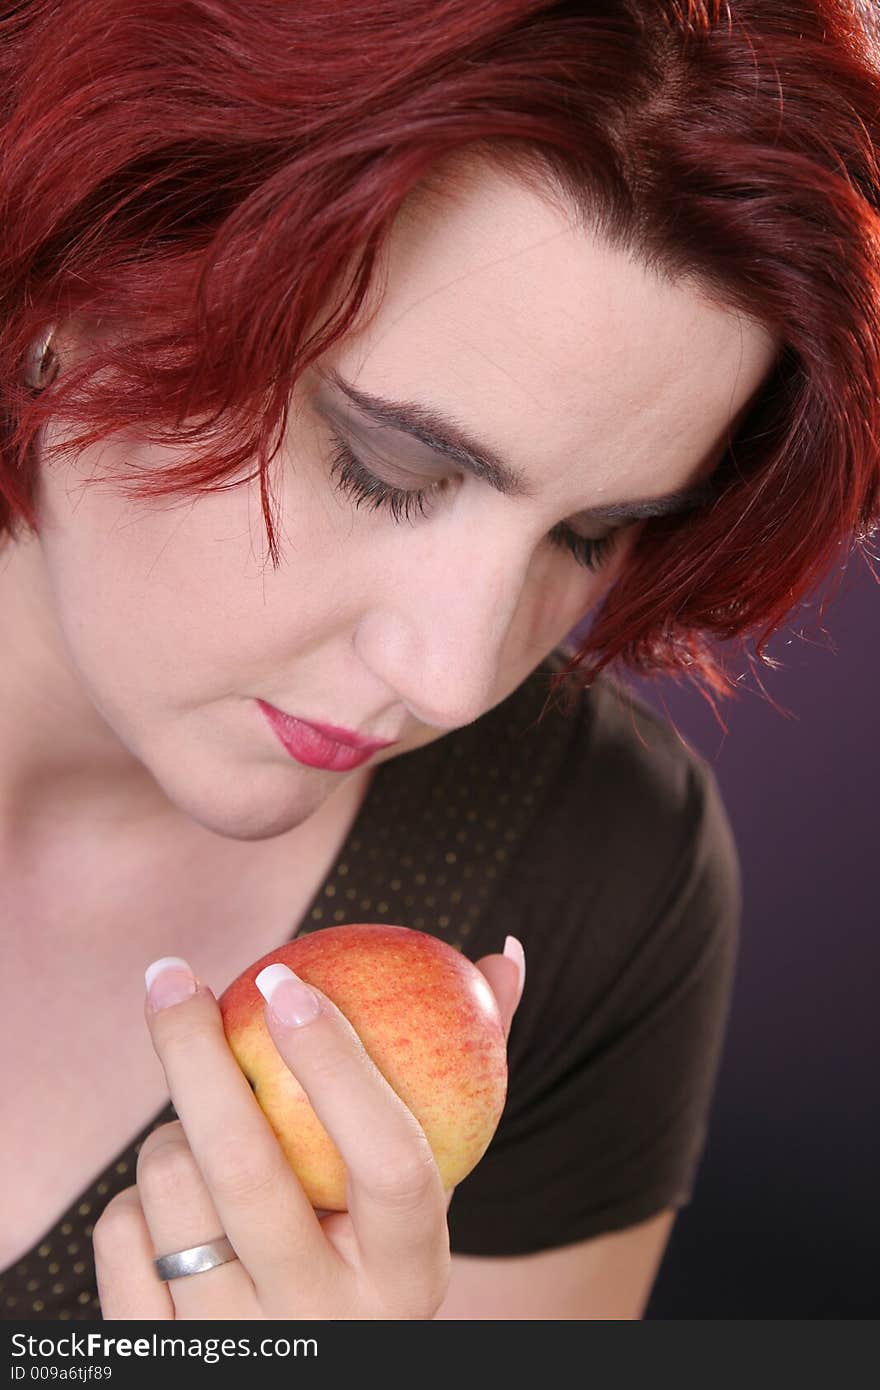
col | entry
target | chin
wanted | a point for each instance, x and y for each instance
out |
(248, 804)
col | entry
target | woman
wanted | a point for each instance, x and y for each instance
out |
(493, 317)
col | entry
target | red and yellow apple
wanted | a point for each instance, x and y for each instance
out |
(426, 1016)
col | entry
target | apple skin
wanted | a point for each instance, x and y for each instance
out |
(426, 1016)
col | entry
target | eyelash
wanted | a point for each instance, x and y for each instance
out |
(353, 478)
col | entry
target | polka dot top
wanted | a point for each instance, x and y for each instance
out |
(600, 840)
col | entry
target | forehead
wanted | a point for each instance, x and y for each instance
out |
(570, 356)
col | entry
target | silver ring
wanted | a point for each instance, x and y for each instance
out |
(195, 1260)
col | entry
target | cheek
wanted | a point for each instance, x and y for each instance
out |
(153, 596)
(173, 602)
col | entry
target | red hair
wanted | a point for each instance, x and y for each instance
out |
(203, 179)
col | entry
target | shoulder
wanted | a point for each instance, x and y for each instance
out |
(628, 745)
(624, 891)
(627, 892)
(660, 788)
(631, 803)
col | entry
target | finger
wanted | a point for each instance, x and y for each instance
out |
(180, 1213)
(506, 974)
(261, 1205)
(127, 1282)
(394, 1190)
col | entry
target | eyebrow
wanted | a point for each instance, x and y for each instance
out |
(447, 436)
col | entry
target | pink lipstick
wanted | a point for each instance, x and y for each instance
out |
(320, 745)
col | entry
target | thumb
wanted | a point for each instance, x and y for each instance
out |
(506, 973)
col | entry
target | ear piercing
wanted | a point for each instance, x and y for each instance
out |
(42, 362)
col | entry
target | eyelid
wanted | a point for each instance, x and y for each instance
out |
(352, 431)
(352, 476)
(356, 435)
(610, 530)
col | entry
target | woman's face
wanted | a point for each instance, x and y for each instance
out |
(147, 631)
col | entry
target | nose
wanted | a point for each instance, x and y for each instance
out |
(439, 638)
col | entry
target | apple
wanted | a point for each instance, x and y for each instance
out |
(428, 1019)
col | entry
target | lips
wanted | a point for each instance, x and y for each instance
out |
(320, 745)
(347, 738)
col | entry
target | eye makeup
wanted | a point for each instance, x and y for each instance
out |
(351, 476)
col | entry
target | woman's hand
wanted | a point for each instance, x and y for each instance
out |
(220, 1169)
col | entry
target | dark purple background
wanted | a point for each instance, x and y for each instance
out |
(785, 1220)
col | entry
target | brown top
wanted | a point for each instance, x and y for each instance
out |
(599, 840)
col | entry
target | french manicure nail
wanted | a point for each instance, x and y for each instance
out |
(169, 980)
(514, 951)
(290, 1000)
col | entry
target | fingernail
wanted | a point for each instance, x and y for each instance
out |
(169, 980)
(291, 1001)
(514, 951)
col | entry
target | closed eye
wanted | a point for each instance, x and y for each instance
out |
(351, 476)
